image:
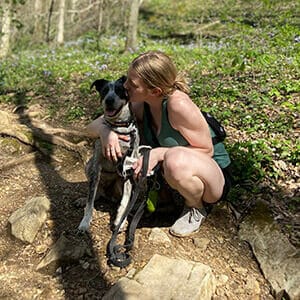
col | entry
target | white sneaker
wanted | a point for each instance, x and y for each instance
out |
(189, 221)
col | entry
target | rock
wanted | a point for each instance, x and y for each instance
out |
(159, 236)
(279, 260)
(27, 220)
(201, 243)
(222, 279)
(252, 286)
(127, 289)
(166, 278)
(67, 249)
(131, 273)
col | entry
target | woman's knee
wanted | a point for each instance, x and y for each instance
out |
(176, 164)
(174, 160)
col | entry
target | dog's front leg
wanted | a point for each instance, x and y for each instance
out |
(127, 189)
(88, 211)
(94, 179)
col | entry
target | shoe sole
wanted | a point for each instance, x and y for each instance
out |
(183, 235)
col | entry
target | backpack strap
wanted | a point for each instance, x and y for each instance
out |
(216, 126)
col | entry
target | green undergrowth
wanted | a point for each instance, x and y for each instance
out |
(242, 59)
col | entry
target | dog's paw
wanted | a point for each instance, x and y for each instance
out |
(80, 202)
(83, 226)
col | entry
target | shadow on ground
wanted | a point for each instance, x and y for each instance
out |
(76, 277)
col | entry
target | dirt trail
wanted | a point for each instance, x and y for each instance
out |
(65, 182)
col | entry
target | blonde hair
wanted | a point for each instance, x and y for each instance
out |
(156, 69)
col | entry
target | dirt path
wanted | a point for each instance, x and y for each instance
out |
(231, 260)
(63, 181)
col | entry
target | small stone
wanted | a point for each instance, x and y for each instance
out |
(226, 256)
(131, 273)
(252, 285)
(40, 249)
(222, 279)
(159, 236)
(201, 243)
(115, 268)
(85, 265)
(50, 224)
(220, 239)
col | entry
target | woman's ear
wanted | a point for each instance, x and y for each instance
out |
(156, 91)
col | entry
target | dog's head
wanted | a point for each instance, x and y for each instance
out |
(113, 95)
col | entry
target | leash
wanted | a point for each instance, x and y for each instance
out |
(118, 254)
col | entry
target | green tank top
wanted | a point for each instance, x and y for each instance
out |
(170, 137)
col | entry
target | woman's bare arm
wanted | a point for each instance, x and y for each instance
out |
(186, 117)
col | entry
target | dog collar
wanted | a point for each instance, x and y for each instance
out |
(116, 124)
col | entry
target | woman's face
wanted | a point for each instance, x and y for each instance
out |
(136, 88)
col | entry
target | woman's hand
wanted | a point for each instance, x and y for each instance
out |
(109, 139)
(154, 158)
(111, 145)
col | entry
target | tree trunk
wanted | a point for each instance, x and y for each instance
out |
(100, 15)
(73, 9)
(5, 32)
(49, 21)
(61, 22)
(38, 26)
(131, 40)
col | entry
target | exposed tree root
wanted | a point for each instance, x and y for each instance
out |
(32, 132)
(17, 161)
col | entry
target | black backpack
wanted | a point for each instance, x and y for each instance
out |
(217, 128)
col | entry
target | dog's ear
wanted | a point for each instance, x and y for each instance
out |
(99, 84)
(122, 79)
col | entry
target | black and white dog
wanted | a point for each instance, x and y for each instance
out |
(104, 175)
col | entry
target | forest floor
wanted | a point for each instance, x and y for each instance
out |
(63, 182)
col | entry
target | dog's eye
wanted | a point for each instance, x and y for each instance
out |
(120, 91)
(104, 91)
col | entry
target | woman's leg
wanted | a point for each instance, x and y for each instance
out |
(197, 177)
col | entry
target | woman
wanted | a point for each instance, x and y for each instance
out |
(179, 134)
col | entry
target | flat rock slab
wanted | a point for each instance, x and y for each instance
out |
(27, 220)
(279, 260)
(166, 278)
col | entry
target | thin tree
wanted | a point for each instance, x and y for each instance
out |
(61, 22)
(100, 15)
(73, 10)
(131, 39)
(38, 28)
(5, 31)
(49, 21)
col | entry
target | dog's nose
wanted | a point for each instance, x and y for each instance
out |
(109, 101)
